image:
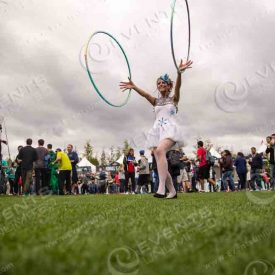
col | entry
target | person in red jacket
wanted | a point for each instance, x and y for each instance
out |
(204, 167)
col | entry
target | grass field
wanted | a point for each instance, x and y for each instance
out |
(213, 233)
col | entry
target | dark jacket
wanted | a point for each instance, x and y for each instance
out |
(73, 156)
(126, 162)
(271, 152)
(41, 153)
(227, 163)
(28, 155)
(240, 164)
(257, 162)
(174, 170)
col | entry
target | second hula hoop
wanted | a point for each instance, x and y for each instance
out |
(172, 34)
(90, 74)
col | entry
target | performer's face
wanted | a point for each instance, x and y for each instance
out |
(163, 87)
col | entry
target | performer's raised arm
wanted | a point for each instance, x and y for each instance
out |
(182, 68)
(130, 85)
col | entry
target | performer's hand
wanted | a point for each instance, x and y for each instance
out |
(184, 66)
(127, 85)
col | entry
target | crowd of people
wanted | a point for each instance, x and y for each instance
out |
(42, 170)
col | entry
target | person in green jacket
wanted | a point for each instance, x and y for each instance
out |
(52, 169)
(10, 172)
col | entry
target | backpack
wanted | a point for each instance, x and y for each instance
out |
(102, 176)
(174, 159)
(210, 160)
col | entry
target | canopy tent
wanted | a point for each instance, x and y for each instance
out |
(120, 160)
(214, 153)
(85, 163)
(147, 155)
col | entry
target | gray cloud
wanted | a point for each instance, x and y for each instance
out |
(46, 93)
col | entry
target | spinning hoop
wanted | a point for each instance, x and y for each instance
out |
(172, 37)
(90, 74)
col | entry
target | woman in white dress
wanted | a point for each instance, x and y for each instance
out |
(166, 132)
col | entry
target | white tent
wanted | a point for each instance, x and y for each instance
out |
(85, 163)
(148, 156)
(120, 160)
(214, 153)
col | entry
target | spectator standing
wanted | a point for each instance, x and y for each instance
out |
(240, 164)
(226, 163)
(256, 163)
(144, 172)
(117, 183)
(74, 160)
(121, 175)
(10, 172)
(204, 168)
(52, 169)
(270, 151)
(129, 162)
(39, 168)
(65, 168)
(27, 156)
(155, 174)
(174, 165)
(18, 172)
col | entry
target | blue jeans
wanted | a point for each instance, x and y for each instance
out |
(256, 176)
(93, 188)
(156, 182)
(122, 185)
(228, 175)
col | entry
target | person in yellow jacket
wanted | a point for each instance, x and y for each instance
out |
(65, 168)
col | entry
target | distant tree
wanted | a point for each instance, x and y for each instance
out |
(103, 158)
(126, 146)
(88, 153)
(112, 156)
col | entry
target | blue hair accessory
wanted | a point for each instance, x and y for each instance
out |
(166, 78)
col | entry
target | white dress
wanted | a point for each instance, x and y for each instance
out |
(166, 124)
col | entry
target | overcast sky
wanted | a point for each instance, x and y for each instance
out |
(228, 95)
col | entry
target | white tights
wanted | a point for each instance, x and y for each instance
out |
(165, 178)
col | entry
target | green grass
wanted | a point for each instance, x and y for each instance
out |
(217, 233)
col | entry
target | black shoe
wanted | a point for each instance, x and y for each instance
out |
(159, 196)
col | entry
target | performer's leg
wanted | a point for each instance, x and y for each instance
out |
(160, 155)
